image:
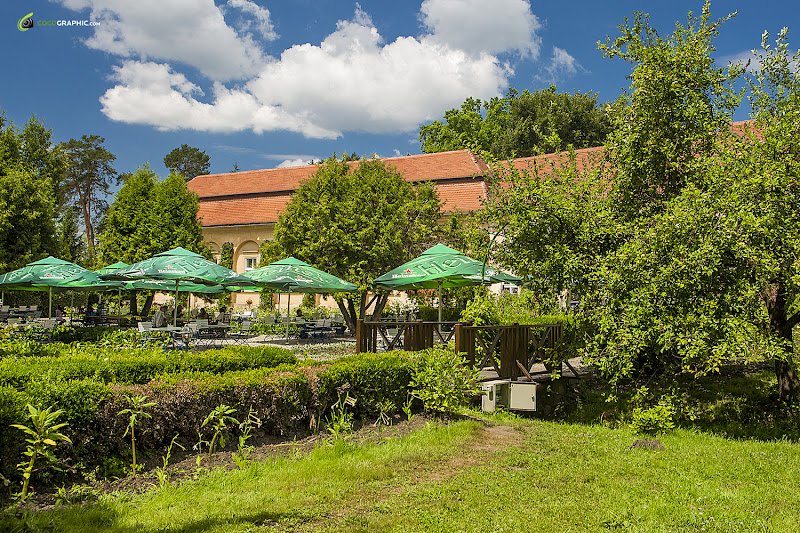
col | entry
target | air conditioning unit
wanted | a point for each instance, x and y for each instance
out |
(522, 396)
(495, 394)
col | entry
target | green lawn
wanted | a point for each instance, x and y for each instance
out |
(514, 475)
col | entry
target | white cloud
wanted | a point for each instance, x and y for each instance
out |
(351, 81)
(294, 163)
(283, 157)
(192, 32)
(260, 20)
(478, 26)
(153, 94)
(747, 59)
(561, 65)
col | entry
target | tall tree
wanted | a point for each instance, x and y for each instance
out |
(88, 180)
(188, 161)
(519, 124)
(358, 223)
(26, 218)
(149, 216)
(176, 212)
(678, 102)
(29, 169)
(128, 226)
(708, 272)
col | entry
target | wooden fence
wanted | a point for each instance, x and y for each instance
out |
(511, 350)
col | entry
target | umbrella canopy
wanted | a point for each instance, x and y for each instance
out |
(441, 267)
(52, 273)
(292, 275)
(111, 269)
(180, 266)
(184, 286)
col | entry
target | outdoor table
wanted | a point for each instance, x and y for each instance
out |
(174, 333)
(210, 333)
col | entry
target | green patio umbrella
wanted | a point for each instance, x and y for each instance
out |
(180, 266)
(293, 275)
(441, 267)
(52, 273)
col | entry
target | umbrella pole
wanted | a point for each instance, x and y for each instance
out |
(50, 311)
(175, 313)
(288, 301)
(440, 301)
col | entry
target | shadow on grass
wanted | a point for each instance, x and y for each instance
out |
(103, 517)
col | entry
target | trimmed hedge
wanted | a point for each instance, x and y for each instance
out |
(369, 378)
(135, 365)
(284, 397)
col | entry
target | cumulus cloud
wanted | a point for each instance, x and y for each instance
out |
(561, 65)
(477, 26)
(191, 32)
(294, 163)
(152, 94)
(351, 81)
(284, 157)
(259, 20)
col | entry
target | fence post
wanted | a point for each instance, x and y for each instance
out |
(360, 335)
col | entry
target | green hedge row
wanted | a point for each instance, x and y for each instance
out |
(135, 365)
(287, 399)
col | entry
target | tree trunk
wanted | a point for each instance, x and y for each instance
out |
(87, 224)
(148, 302)
(380, 303)
(788, 381)
(780, 324)
(348, 318)
(133, 304)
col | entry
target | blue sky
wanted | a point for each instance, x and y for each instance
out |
(262, 83)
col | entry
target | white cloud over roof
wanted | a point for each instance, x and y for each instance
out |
(351, 81)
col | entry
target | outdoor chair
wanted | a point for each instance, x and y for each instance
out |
(42, 331)
(207, 335)
(323, 329)
(145, 334)
(243, 335)
(301, 331)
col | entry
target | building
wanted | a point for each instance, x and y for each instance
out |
(243, 207)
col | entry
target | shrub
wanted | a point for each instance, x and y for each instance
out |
(12, 410)
(655, 420)
(442, 380)
(27, 348)
(370, 378)
(135, 365)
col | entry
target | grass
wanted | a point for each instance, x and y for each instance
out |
(511, 475)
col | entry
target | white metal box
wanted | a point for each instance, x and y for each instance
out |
(495, 394)
(522, 396)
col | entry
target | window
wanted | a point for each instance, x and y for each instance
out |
(250, 263)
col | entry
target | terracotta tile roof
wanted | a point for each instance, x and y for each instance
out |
(461, 195)
(585, 158)
(456, 195)
(421, 167)
(251, 209)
